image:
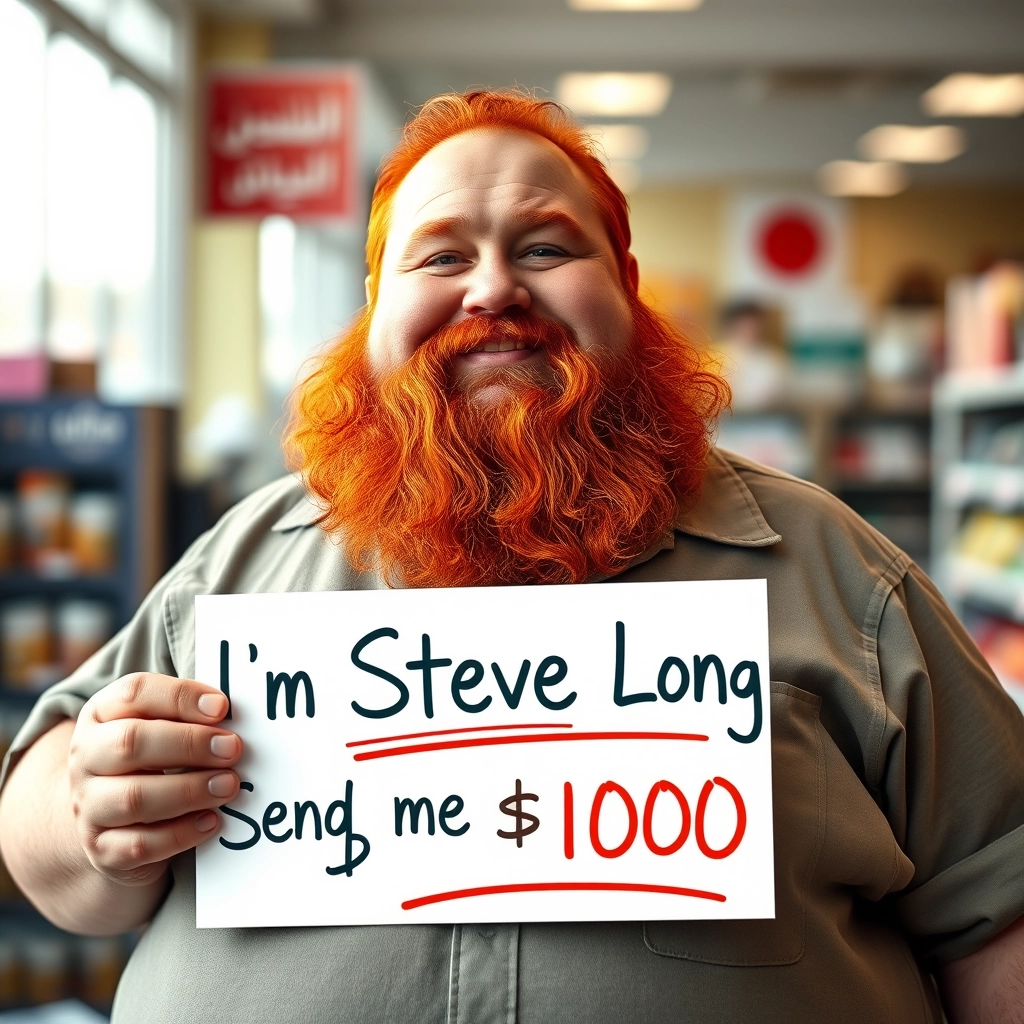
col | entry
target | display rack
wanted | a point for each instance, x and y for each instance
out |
(123, 451)
(965, 481)
(809, 439)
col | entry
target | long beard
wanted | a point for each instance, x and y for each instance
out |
(561, 480)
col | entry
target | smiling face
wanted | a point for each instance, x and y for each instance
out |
(494, 222)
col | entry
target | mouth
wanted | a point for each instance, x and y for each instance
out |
(494, 354)
(501, 346)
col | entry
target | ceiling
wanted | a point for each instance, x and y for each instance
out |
(763, 89)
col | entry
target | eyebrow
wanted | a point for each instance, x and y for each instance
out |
(530, 220)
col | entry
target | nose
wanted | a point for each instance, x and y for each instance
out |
(492, 287)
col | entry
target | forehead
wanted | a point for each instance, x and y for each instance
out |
(484, 173)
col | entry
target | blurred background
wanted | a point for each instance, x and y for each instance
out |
(828, 195)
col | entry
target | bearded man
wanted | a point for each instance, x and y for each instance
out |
(508, 410)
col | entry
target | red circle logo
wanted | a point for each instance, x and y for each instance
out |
(790, 242)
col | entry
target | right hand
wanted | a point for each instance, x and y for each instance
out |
(147, 765)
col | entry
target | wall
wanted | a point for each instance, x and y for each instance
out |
(680, 232)
(950, 231)
(223, 348)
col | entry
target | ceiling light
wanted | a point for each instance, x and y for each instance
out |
(635, 5)
(625, 174)
(613, 94)
(620, 141)
(976, 96)
(854, 178)
(930, 144)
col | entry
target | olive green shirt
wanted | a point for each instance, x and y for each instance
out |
(898, 779)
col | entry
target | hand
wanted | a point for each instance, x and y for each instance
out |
(147, 765)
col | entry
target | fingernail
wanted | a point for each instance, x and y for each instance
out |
(207, 821)
(223, 746)
(222, 784)
(214, 705)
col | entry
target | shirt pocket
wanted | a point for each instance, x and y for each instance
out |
(798, 800)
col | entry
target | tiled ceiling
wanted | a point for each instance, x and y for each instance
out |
(762, 88)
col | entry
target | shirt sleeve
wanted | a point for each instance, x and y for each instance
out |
(952, 753)
(141, 646)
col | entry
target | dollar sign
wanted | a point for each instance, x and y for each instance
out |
(513, 805)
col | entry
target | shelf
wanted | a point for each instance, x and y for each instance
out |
(998, 590)
(888, 486)
(991, 389)
(999, 487)
(24, 698)
(21, 581)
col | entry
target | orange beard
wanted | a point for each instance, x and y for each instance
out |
(559, 482)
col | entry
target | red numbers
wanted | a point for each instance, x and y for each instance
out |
(595, 819)
(684, 807)
(741, 819)
(656, 791)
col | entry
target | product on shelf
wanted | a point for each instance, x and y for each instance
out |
(903, 352)
(10, 973)
(1002, 643)
(93, 533)
(776, 440)
(59, 533)
(83, 627)
(985, 319)
(26, 638)
(883, 452)
(43, 505)
(993, 538)
(8, 531)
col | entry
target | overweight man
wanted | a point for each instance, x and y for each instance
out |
(507, 410)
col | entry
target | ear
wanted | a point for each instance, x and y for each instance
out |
(366, 287)
(633, 271)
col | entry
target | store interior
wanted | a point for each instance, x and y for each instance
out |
(826, 195)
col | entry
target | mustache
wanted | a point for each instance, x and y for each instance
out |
(522, 328)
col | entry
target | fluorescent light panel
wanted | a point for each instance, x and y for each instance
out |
(620, 141)
(635, 5)
(910, 144)
(614, 94)
(966, 95)
(857, 178)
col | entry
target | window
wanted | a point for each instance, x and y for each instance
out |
(89, 246)
(22, 78)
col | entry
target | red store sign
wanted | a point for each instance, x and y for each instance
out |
(282, 141)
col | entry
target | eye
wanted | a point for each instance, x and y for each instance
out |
(544, 252)
(444, 259)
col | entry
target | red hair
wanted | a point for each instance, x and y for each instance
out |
(453, 114)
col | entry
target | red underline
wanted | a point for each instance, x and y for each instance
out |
(448, 732)
(489, 741)
(491, 890)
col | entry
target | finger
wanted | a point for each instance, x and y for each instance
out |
(116, 801)
(130, 745)
(149, 695)
(126, 849)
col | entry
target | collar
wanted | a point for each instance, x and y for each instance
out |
(305, 512)
(725, 511)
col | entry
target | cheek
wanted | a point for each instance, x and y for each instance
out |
(590, 301)
(407, 313)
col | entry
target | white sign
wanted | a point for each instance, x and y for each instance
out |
(586, 753)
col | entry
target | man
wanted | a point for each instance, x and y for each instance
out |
(507, 410)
